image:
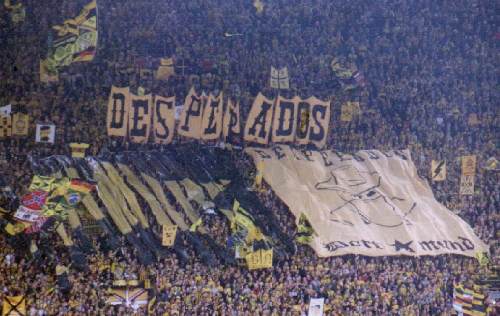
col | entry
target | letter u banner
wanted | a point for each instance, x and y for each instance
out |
(371, 203)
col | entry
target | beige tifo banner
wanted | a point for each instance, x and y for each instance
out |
(371, 203)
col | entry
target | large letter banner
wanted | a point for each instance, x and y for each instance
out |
(258, 126)
(371, 203)
(191, 116)
(231, 122)
(303, 123)
(212, 117)
(285, 117)
(118, 106)
(319, 121)
(140, 118)
(164, 120)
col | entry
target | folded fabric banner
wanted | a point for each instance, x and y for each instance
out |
(371, 203)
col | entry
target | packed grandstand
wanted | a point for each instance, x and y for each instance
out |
(266, 157)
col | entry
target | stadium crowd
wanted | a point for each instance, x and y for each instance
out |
(429, 71)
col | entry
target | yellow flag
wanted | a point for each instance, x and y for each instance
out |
(166, 69)
(346, 112)
(469, 165)
(46, 75)
(267, 258)
(14, 306)
(482, 258)
(491, 164)
(5, 126)
(43, 183)
(259, 174)
(195, 225)
(260, 259)
(20, 124)
(259, 6)
(14, 229)
(253, 260)
(78, 149)
(168, 236)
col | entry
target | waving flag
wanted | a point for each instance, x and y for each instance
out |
(76, 41)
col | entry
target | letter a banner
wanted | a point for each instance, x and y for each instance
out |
(370, 203)
(258, 126)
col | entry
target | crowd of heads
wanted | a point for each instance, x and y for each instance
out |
(429, 67)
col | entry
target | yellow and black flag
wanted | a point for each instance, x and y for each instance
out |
(78, 149)
(75, 41)
(243, 228)
(166, 69)
(45, 133)
(5, 126)
(259, 6)
(14, 306)
(260, 259)
(16, 9)
(20, 124)
(305, 231)
(168, 235)
(491, 164)
(478, 302)
(482, 258)
(438, 170)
